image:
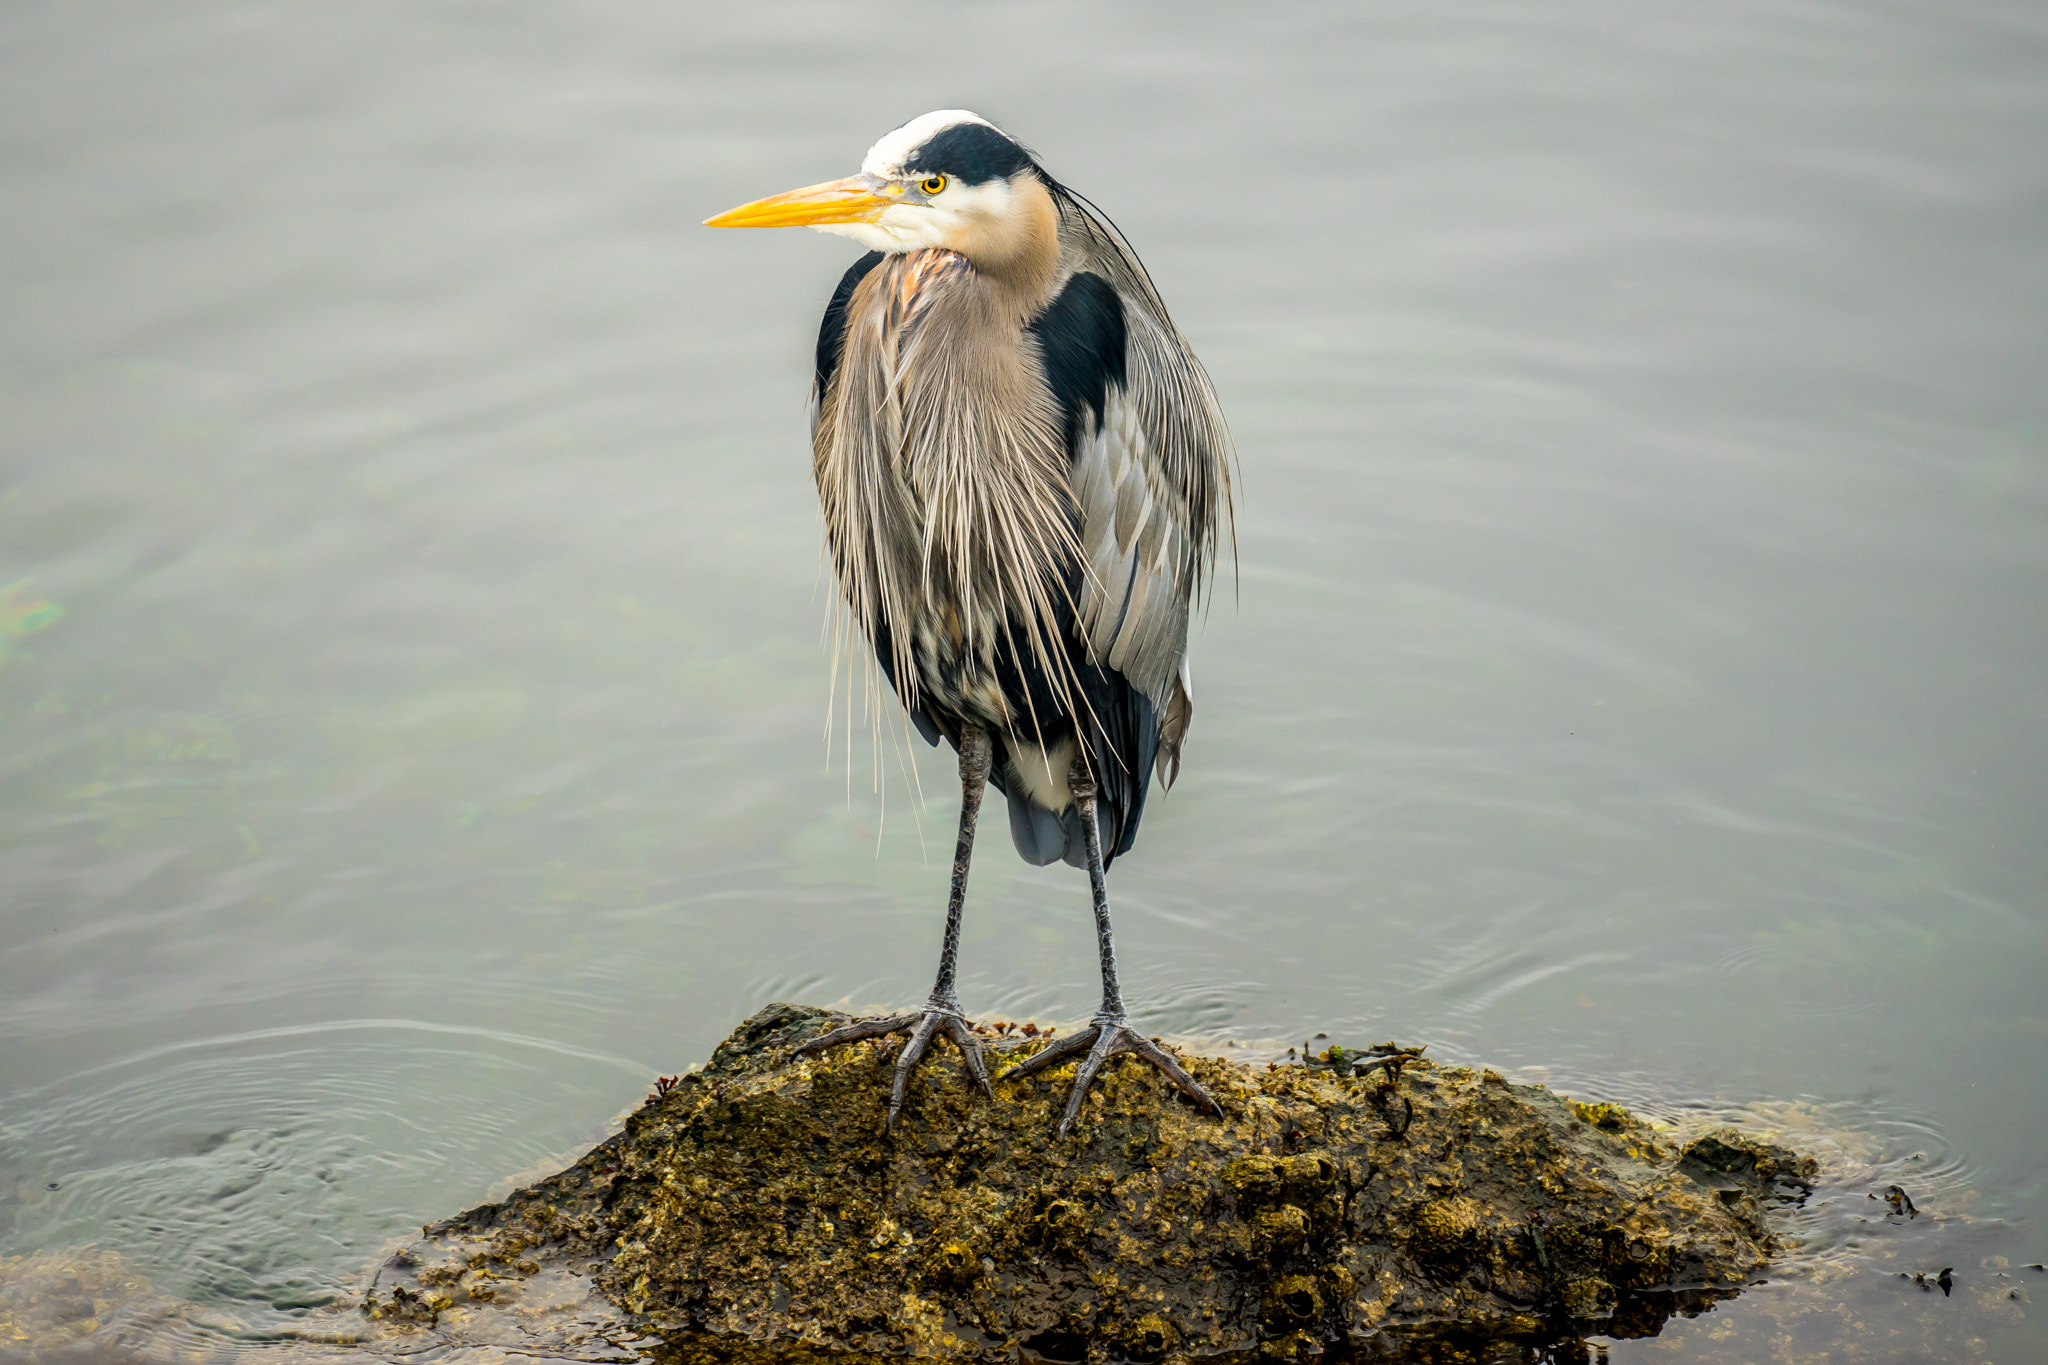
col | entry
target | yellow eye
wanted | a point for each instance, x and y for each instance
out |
(932, 184)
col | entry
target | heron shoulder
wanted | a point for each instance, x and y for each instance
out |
(1082, 339)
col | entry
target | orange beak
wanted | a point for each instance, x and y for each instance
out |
(852, 200)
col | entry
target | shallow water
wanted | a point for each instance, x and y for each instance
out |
(412, 699)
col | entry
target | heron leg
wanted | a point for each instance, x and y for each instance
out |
(1110, 1032)
(941, 1013)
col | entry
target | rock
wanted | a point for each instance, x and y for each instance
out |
(758, 1209)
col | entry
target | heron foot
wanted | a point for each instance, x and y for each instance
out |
(920, 1027)
(1105, 1038)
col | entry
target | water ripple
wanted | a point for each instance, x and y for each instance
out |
(259, 1170)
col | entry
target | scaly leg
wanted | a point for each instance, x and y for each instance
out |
(941, 1014)
(1110, 1032)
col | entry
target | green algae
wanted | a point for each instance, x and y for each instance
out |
(22, 615)
(757, 1210)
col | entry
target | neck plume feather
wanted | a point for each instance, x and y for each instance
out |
(941, 464)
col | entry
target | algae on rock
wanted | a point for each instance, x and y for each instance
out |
(759, 1208)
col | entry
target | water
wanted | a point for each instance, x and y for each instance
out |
(411, 691)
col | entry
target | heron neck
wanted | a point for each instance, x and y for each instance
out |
(1022, 261)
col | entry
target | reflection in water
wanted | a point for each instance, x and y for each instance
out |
(22, 614)
(1632, 671)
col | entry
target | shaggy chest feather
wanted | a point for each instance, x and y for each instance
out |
(954, 522)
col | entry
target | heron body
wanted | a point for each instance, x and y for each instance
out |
(1025, 479)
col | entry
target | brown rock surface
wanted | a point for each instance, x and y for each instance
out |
(759, 1209)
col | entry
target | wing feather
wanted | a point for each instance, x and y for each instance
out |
(1151, 473)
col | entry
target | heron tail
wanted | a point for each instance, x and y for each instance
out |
(1044, 837)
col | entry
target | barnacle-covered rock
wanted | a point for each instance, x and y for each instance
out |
(758, 1210)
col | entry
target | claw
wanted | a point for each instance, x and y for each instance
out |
(921, 1028)
(1101, 1040)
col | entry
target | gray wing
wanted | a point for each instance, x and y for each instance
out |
(1151, 477)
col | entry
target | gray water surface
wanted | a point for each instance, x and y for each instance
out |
(412, 689)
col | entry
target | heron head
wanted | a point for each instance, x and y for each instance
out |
(947, 179)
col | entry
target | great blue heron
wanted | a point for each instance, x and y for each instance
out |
(1025, 479)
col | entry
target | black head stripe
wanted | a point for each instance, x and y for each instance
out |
(972, 153)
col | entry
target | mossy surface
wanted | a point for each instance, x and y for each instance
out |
(759, 1209)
